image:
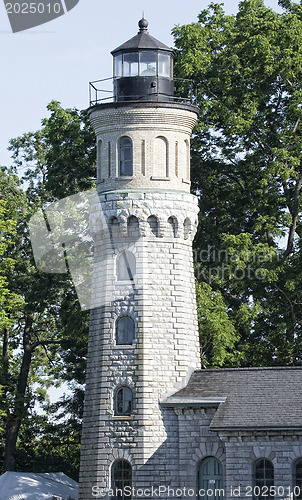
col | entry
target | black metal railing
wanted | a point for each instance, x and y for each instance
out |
(103, 91)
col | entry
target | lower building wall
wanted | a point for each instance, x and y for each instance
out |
(243, 449)
(172, 471)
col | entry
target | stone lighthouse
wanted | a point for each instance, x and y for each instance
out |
(143, 342)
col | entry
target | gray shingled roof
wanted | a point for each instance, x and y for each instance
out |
(247, 398)
(142, 41)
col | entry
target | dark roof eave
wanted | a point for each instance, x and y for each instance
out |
(142, 41)
(172, 402)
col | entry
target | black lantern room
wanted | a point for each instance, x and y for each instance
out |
(143, 68)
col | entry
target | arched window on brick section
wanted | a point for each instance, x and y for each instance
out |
(263, 479)
(123, 401)
(297, 483)
(210, 479)
(160, 158)
(126, 266)
(124, 330)
(125, 157)
(153, 224)
(173, 226)
(121, 479)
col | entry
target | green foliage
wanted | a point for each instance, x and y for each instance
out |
(217, 333)
(247, 170)
(45, 333)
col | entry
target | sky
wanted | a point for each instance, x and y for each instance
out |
(58, 59)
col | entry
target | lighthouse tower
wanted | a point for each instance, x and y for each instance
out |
(143, 342)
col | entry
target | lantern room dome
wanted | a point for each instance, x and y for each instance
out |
(142, 41)
(143, 68)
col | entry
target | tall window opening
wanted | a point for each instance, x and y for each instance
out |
(123, 401)
(153, 224)
(187, 153)
(124, 333)
(133, 226)
(99, 159)
(126, 266)
(121, 476)
(125, 157)
(263, 476)
(173, 224)
(187, 228)
(160, 158)
(298, 479)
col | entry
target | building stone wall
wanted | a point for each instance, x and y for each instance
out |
(243, 448)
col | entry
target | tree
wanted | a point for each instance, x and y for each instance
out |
(247, 170)
(56, 161)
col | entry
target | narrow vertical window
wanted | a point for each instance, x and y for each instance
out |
(124, 333)
(133, 226)
(123, 401)
(121, 477)
(153, 224)
(109, 159)
(298, 480)
(126, 266)
(143, 157)
(187, 228)
(187, 152)
(160, 158)
(173, 224)
(176, 159)
(125, 157)
(99, 159)
(263, 479)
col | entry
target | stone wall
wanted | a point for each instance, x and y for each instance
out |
(165, 350)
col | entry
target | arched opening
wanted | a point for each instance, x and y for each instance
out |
(153, 224)
(263, 476)
(210, 479)
(113, 226)
(173, 226)
(123, 401)
(297, 482)
(126, 266)
(187, 228)
(121, 478)
(133, 226)
(160, 166)
(125, 157)
(124, 331)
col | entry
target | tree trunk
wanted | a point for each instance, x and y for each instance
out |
(4, 374)
(14, 419)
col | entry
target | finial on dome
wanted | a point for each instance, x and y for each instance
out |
(143, 24)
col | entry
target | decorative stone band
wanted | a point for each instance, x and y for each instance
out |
(141, 213)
